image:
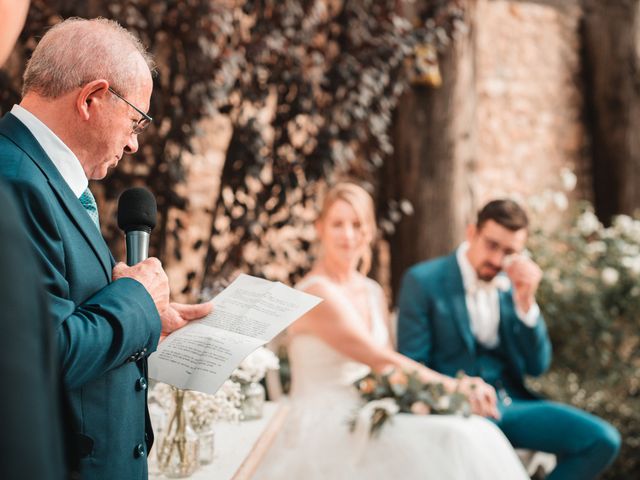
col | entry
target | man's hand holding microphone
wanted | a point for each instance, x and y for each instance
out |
(137, 213)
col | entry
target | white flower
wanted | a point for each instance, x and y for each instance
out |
(560, 200)
(389, 405)
(596, 248)
(254, 367)
(630, 249)
(632, 264)
(537, 203)
(569, 179)
(623, 224)
(444, 402)
(588, 223)
(610, 276)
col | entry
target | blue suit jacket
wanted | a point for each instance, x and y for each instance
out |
(434, 327)
(104, 329)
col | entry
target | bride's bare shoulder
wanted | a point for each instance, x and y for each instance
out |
(315, 284)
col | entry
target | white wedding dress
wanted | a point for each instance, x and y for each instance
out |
(316, 444)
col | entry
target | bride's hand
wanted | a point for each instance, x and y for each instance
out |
(482, 396)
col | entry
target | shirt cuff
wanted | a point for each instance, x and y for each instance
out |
(531, 317)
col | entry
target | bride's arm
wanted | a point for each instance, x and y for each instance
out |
(481, 395)
(331, 322)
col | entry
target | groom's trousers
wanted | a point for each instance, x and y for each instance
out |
(584, 444)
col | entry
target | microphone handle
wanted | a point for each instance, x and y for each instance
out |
(137, 243)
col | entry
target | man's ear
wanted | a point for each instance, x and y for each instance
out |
(90, 96)
(471, 232)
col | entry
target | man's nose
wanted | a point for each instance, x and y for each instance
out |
(496, 258)
(132, 144)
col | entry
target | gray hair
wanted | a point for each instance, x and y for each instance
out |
(78, 51)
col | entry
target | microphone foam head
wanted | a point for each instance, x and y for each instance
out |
(137, 210)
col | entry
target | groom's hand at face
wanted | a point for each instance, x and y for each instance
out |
(525, 275)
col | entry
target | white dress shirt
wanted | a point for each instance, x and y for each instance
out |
(483, 303)
(62, 157)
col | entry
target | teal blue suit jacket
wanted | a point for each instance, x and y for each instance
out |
(434, 327)
(104, 329)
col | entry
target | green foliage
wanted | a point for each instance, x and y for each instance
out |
(590, 296)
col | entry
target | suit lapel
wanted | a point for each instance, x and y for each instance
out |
(455, 290)
(506, 313)
(20, 135)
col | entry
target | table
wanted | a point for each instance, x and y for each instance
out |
(239, 448)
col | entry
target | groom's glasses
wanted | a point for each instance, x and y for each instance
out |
(495, 246)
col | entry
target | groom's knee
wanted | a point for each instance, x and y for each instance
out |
(606, 442)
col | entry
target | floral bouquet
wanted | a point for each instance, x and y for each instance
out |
(395, 391)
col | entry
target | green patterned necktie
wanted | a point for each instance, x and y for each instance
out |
(89, 203)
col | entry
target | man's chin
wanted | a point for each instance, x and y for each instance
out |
(487, 277)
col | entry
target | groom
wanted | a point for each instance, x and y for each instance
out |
(475, 311)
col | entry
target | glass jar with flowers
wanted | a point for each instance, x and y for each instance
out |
(205, 410)
(179, 452)
(249, 374)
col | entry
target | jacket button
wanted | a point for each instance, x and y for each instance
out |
(141, 384)
(138, 452)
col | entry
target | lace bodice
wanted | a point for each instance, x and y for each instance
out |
(318, 367)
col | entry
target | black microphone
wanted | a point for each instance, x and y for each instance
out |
(137, 212)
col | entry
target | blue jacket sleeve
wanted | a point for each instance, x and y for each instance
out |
(414, 331)
(533, 346)
(109, 325)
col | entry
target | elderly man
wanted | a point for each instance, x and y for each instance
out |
(86, 90)
(458, 314)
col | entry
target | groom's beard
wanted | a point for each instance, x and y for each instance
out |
(488, 271)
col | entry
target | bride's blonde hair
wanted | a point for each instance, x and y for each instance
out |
(362, 204)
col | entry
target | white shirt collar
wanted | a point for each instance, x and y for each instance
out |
(62, 157)
(470, 279)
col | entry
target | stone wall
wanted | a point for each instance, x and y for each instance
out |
(530, 101)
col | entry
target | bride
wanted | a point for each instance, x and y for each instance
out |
(341, 340)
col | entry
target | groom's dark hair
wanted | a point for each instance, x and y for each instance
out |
(506, 213)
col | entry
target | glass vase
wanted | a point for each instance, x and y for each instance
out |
(207, 440)
(159, 423)
(253, 403)
(179, 454)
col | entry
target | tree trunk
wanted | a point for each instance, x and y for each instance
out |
(612, 68)
(434, 135)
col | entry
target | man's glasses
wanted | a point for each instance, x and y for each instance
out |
(141, 124)
(494, 246)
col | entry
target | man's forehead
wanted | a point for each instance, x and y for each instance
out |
(500, 234)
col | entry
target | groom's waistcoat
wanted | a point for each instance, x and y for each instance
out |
(434, 329)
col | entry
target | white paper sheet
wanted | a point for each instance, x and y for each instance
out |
(246, 315)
